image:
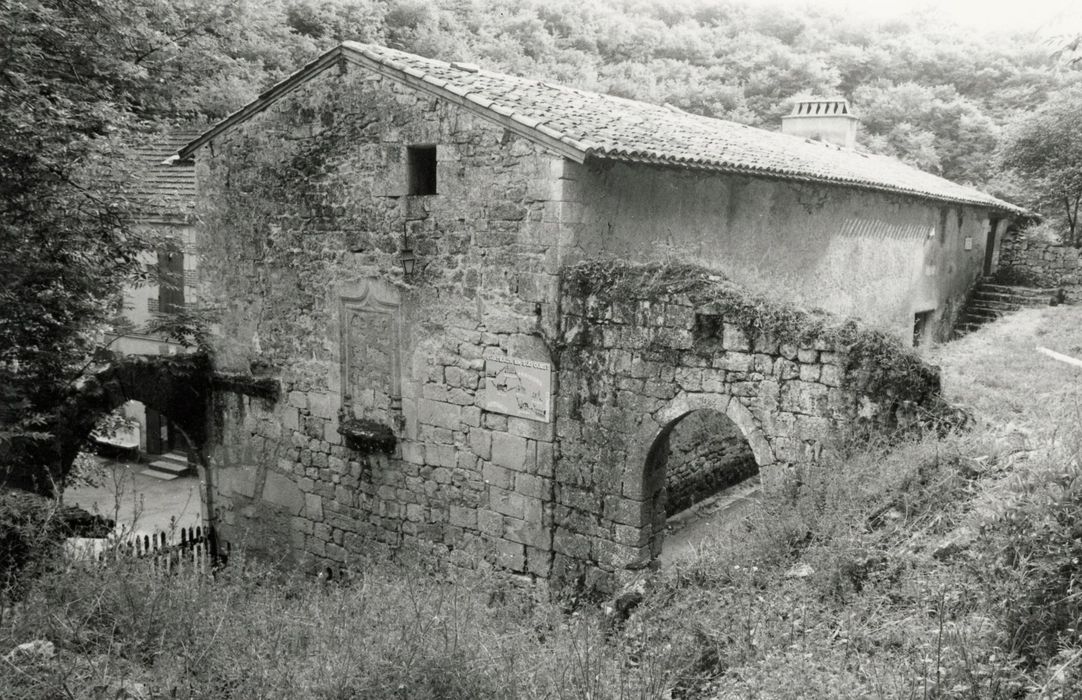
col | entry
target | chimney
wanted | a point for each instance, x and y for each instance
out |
(831, 120)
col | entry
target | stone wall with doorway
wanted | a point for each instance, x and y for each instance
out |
(644, 346)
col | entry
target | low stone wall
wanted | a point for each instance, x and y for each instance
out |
(706, 454)
(1033, 262)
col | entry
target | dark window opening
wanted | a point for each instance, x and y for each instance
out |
(170, 282)
(922, 322)
(421, 166)
(990, 246)
(943, 226)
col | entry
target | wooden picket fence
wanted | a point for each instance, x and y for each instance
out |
(185, 549)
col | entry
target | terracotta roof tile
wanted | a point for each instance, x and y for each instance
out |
(582, 125)
(614, 128)
(165, 191)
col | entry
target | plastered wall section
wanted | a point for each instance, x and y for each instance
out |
(878, 257)
(305, 213)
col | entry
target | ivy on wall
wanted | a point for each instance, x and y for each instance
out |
(878, 361)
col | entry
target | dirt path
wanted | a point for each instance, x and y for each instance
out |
(707, 520)
(140, 503)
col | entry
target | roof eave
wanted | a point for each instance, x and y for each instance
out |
(265, 100)
(730, 169)
(354, 53)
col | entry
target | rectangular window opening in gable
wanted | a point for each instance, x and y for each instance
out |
(421, 169)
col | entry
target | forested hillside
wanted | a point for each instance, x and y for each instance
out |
(931, 93)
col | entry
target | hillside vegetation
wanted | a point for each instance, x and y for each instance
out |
(936, 566)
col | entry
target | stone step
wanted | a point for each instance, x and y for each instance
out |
(997, 298)
(164, 476)
(1029, 292)
(982, 312)
(997, 305)
(171, 463)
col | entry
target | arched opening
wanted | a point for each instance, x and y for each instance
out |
(138, 468)
(701, 472)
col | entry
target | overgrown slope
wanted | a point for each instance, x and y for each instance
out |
(939, 567)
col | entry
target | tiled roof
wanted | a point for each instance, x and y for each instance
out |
(165, 191)
(580, 125)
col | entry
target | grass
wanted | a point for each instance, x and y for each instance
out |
(941, 567)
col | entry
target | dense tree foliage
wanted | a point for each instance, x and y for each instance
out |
(1045, 147)
(80, 79)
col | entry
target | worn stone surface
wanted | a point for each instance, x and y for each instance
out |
(706, 453)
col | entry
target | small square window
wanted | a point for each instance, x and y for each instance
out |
(421, 169)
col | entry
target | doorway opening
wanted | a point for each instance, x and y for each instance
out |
(704, 475)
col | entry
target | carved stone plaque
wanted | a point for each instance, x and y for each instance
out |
(370, 365)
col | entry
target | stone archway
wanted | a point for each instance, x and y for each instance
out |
(177, 387)
(647, 463)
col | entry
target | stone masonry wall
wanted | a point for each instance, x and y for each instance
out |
(706, 453)
(305, 211)
(637, 357)
(1041, 263)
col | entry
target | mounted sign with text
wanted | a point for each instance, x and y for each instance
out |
(517, 387)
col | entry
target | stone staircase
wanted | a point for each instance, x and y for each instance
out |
(988, 301)
(168, 466)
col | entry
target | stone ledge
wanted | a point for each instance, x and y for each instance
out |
(367, 436)
(258, 387)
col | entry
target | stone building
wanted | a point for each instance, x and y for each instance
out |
(410, 249)
(165, 199)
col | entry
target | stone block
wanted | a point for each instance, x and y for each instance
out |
(538, 562)
(280, 490)
(497, 476)
(290, 418)
(627, 511)
(786, 369)
(809, 373)
(832, 375)
(572, 544)
(807, 355)
(238, 480)
(532, 429)
(440, 455)
(514, 504)
(480, 443)
(463, 517)
(737, 362)
(509, 451)
(510, 555)
(527, 532)
(439, 413)
(323, 405)
(733, 338)
(298, 399)
(489, 523)
(313, 507)
(804, 397)
(532, 485)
